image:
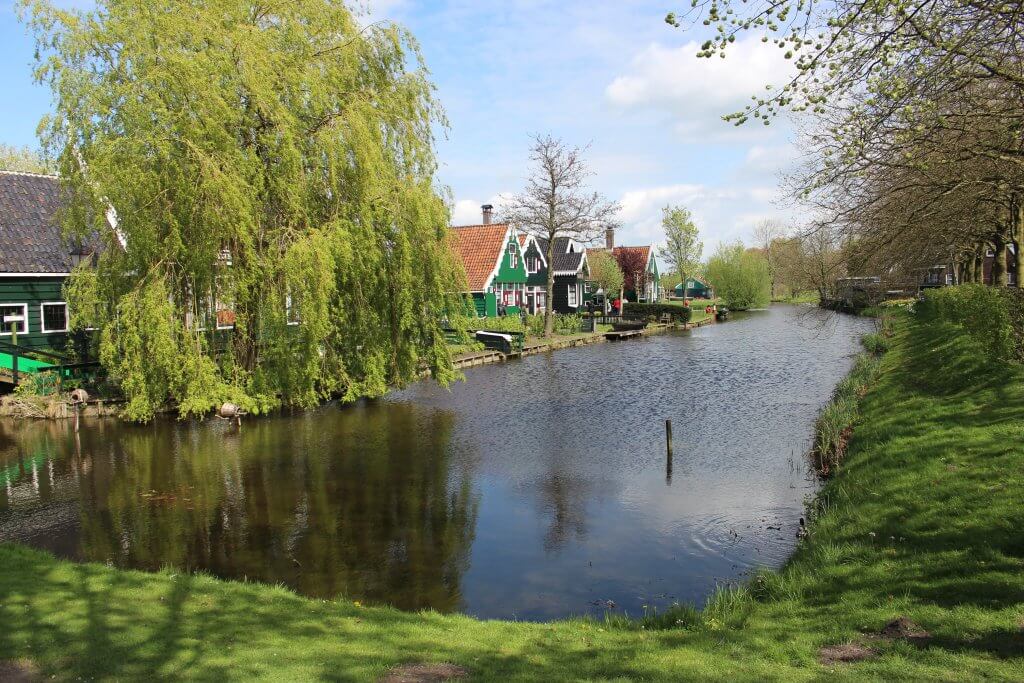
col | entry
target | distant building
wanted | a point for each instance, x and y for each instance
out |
(694, 288)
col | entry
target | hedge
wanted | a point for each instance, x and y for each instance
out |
(994, 316)
(640, 311)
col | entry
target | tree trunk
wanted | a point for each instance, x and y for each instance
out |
(979, 263)
(549, 303)
(969, 268)
(1017, 235)
(999, 261)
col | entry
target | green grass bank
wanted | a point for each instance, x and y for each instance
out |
(924, 519)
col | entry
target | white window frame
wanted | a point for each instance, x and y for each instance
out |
(513, 255)
(572, 295)
(288, 311)
(42, 316)
(6, 331)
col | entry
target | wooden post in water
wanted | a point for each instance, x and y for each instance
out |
(668, 451)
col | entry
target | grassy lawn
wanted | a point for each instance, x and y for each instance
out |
(925, 520)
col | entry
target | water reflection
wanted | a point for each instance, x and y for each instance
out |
(366, 503)
(534, 489)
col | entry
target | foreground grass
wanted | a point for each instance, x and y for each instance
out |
(924, 520)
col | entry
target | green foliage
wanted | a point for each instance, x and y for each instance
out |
(507, 323)
(264, 171)
(22, 159)
(605, 271)
(875, 343)
(645, 311)
(993, 316)
(740, 277)
(683, 248)
(535, 324)
(567, 323)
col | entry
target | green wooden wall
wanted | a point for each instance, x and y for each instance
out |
(34, 291)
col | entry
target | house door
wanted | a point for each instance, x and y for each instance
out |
(530, 304)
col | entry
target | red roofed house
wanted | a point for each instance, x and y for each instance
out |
(492, 257)
(639, 269)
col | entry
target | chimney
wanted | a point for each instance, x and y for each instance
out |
(488, 213)
(609, 238)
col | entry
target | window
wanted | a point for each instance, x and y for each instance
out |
(513, 256)
(291, 311)
(16, 314)
(54, 316)
(573, 295)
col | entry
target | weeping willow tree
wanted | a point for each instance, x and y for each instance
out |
(263, 167)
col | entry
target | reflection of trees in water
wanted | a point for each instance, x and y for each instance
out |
(564, 497)
(359, 502)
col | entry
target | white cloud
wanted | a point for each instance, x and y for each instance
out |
(468, 211)
(722, 213)
(698, 91)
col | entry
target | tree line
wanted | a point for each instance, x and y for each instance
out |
(913, 149)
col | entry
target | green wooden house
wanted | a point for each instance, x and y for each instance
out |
(694, 288)
(536, 274)
(492, 257)
(34, 262)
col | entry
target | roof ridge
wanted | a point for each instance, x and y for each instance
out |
(480, 225)
(29, 174)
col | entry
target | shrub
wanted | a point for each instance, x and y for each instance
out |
(875, 343)
(992, 316)
(640, 311)
(740, 276)
(508, 323)
(535, 325)
(568, 323)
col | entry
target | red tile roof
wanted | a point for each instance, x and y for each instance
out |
(479, 247)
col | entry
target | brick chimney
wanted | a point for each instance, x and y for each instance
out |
(488, 210)
(609, 238)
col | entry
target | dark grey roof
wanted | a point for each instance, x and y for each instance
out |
(30, 238)
(563, 262)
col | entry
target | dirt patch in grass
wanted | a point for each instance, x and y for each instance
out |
(904, 629)
(423, 673)
(845, 654)
(21, 671)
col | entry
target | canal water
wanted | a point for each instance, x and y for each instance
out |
(534, 489)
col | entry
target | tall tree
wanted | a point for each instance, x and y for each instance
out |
(22, 159)
(556, 203)
(272, 170)
(767, 236)
(683, 247)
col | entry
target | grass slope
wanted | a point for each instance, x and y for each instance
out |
(924, 520)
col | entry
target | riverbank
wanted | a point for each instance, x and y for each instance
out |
(535, 345)
(922, 521)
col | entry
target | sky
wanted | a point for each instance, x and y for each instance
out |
(607, 74)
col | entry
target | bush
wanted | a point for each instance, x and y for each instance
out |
(875, 343)
(992, 316)
(508, 323)
(740, 276)
(535, 325)
(568, 323)
(639, 311)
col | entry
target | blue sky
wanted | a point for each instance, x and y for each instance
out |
(609, 74)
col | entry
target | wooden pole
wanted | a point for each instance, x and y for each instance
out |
(668, 451)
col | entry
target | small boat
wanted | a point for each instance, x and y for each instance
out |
(722, 314)
(629, 325)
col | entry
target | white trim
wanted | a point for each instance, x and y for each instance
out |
(42, 316)
(6, 331)
(509, 232)
(34, 274)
